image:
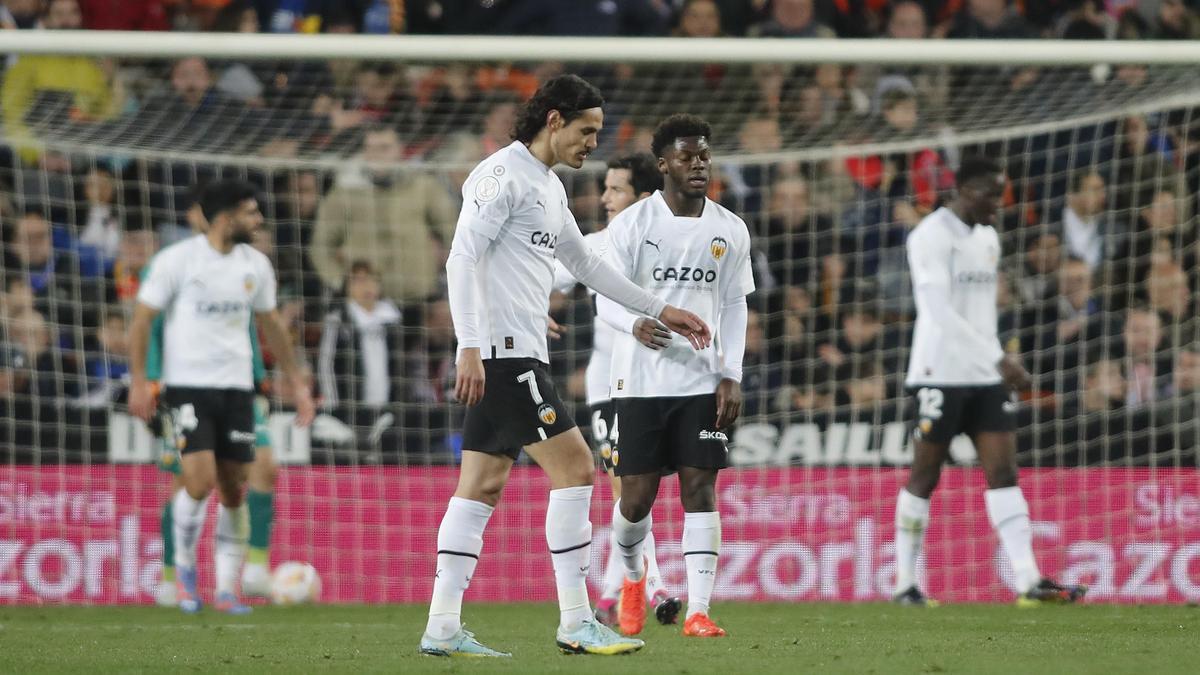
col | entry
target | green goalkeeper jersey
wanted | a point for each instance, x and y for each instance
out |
(154, 358)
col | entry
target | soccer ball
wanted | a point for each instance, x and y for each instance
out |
(295, 583)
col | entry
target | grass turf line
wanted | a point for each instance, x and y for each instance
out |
(768, 638)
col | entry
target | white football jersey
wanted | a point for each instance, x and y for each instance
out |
(955, 279)
(208, 300)
(700, 264)
(600, 362)
(520, 206)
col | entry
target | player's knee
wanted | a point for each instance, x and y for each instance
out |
(231, 497)
(698, 498)
(486, 490)
(635, 510)
(922, 483)
(263, 476)
(1001, 476)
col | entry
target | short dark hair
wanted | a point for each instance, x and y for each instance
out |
(362, 266)
(569, 94)
(224, 195)
(974, 167)
(679, 125)
(1081, 175)
(894, 97)
(643, 171)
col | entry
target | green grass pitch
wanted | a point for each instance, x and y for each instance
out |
(776, 639)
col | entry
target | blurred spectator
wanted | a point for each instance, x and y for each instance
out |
(361, 344)
(54, 90)
(1039, 267)
(862, 338)
(791, 19)
(745, 183)
(135, 249)
(124, 14)
(1088, 232)
(699, 18)
(1104, 388)
(583, 17)
(295, 223)
(60, 290)
(1175, 21)
(194, 115)
(795, 232)
(1144, 162)
(99, 227)
(107, 363)
(51, 378)
(1161, 236)
(1168, 294)
(761, 379)
(1084, 20)
(498, 124)
(989, 20)
(431, 362)
(377, 98)
(1186, 375)
(1076, 302)
(399, 221)
(17, 297)
(23, 14)
(863, 386)
(1146, 370)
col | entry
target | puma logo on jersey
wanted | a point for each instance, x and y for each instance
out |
(541, 203)
(714, 436)
(656, 247)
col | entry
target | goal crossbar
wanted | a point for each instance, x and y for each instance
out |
(578, 49)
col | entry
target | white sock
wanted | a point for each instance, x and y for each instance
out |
(1009, 513)
(188, 516)
(912, 517)
(631, 540)
(569, 535)
(614, 569)
(701, 545)
(654, 582)
(460, 539)
(233, 531)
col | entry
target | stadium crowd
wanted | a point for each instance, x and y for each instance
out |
(100, 158)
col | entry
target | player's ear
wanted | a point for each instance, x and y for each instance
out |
(662, 165)
(554, 120)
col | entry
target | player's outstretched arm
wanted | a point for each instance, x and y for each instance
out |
(141, 393)
(285, 355)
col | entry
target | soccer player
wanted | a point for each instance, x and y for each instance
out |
(960, 378)
(673, 402)
(261, 475)
(208, 288)
(514, 223)
(629, 179)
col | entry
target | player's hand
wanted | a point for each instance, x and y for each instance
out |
(729, 402)
(652, 334)
(306, 409)
(554, 329)
(688, 325)
(1013, 373)
(143, 399)
(468, 385)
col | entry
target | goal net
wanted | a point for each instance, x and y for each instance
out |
(831, 152)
